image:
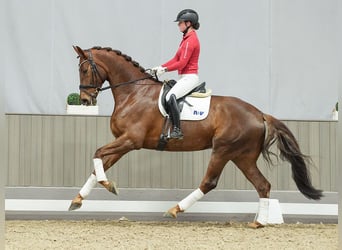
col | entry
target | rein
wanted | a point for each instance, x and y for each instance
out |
(96, 74)
(125, 83)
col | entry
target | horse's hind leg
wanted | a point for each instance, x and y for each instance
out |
(253, 174)
(263, 187)
(209, 182)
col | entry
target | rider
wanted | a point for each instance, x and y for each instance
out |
(186, 62)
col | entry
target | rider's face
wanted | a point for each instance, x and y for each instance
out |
(182, 26)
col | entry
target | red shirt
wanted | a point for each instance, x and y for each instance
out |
(186, 58)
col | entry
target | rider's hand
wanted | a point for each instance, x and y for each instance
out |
(159, 70)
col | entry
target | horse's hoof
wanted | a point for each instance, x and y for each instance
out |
(169, 215)
(112, 188)
(74, 206)
(172, 212)
(255, 225)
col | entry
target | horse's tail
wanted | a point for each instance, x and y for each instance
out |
(289, 149)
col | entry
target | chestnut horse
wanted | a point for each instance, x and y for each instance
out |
(235, 130)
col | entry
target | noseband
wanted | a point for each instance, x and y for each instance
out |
(94, 75)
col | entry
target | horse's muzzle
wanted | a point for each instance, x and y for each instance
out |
(87, 99)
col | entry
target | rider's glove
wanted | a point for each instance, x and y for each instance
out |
(159, 70)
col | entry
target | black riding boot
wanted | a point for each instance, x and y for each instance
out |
(175, 118)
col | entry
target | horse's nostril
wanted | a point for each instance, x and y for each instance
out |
(85, 101)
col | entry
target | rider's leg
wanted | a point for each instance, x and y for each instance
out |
(183, 86)
(176, 132)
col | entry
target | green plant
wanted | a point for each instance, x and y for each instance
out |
(336, 106)
(74, 99)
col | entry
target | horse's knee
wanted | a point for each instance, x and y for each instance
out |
(98, 153)
(126, 146)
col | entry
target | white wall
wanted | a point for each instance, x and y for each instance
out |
(339, 129)
(3, 156)
(304, 76)
(278, 55)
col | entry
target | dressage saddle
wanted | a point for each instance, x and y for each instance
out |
(167, 87)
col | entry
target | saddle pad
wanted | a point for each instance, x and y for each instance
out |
(198, 111)
(201, 95)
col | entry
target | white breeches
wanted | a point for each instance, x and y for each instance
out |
(184, 85)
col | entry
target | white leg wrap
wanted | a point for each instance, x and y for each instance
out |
(88, 186)
(98, 166)
(190, 199)
(263, 211)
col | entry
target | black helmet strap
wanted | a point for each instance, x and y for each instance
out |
(187, 28)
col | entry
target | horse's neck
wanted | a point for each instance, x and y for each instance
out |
(122, 72)
(134, 91)
(120, 77)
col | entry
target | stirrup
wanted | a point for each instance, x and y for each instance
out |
(176, 134)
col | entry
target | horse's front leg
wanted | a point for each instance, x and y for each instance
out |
(104, 158)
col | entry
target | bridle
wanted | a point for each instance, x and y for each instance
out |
(96, 75)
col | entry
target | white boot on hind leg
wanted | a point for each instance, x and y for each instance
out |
(269, 213)
(262, 215)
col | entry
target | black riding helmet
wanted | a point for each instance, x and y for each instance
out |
(188, 15)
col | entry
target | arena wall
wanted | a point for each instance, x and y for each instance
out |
(57, 151)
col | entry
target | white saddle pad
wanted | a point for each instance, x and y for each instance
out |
(198, 111)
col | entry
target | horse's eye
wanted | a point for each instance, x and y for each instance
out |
(84, 71)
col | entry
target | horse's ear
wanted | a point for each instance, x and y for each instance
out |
(79, 51)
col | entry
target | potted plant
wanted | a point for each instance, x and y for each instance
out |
(74, 99)
(74, 106)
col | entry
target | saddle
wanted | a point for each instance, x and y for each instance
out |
(170, 83)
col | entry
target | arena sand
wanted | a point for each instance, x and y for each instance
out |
(55, 234)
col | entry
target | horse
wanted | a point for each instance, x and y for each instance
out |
(234, 129)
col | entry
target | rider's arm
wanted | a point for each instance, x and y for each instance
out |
(181, 59)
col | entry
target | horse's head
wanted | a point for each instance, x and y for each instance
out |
(92, 76)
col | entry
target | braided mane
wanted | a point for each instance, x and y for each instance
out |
(118, 52)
